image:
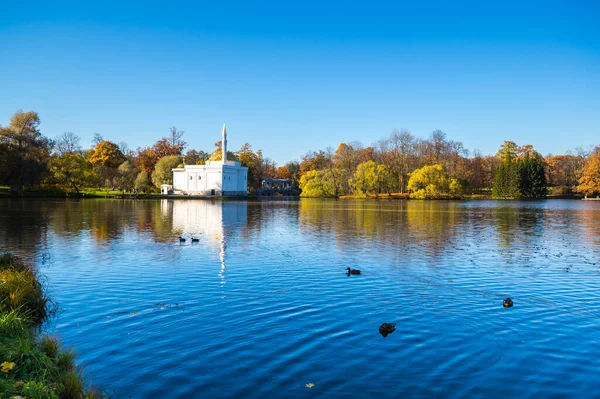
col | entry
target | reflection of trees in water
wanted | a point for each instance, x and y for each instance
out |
(516, 224)
(588, 219)
(398, 225)
(23, 225)
(105, 219)
(260, 214)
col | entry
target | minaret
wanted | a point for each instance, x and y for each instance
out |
(224, 145)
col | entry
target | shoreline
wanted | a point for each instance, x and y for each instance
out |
(33, 365)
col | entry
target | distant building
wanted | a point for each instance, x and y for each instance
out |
(214, 178)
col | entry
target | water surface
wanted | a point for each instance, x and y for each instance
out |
(261, 306)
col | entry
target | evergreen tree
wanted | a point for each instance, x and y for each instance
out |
(532, 176)
(507, 181)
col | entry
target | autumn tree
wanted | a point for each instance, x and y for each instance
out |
(163, 172)
(173, 144)
(589, 183)
(106, 158)
(563, 170)
(317, 183)
(430, 182)
(193, 157)
(68, 170)
(255, 163)
(371, 177)
(127, 176)
(25, 151)
(142, 183)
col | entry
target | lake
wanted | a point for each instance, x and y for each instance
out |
(262, 306)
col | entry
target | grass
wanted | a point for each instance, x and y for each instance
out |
(31, 366)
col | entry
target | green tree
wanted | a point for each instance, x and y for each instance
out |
(317, 183)
(431, 182)
(68, 170)
(142, 182)
(521, 174)
(507, 181)
(163, 172)
(127, 176)
(26, 151)
(532, 176)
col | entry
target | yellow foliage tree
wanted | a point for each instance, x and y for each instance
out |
(589, 183)
(431, 182)
(106, 154)
(317, 183)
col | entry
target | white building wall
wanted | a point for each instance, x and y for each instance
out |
(228, 179)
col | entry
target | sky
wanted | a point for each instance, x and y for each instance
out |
(290, 77)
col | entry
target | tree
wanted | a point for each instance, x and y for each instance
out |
(371, 177)
(589, 183)
(26, 150)
(193, 157)
(507, 182)
(107, 154)
(142, 182)
(508, 151)
(106, 158)
(149, 156)
(253, 161)
(175, 138)
(68, 143)
(127, 176)
(317, 183)
(68, 170)
(521, 174)
(97, 139)
(532, 176)
(163, 172)
(431, 182)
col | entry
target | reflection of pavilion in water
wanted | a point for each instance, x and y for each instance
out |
(212, 222)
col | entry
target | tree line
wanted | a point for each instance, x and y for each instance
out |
(434, 167)
(437, 167)
(28, 158)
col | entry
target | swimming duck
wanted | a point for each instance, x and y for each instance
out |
(387, 328)
(195, 239)
(181, 239)
(507, 303)
(353, 271)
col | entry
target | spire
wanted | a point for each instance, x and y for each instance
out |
(224, 145)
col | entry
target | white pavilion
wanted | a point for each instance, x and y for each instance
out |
(214, 178)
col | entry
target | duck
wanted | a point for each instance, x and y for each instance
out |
(387, 328)
(195, 239)
(181, 239)
(508, 303)
(353, 271)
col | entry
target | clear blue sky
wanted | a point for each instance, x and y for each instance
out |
(289, 77)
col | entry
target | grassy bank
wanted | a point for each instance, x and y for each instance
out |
(32, 366)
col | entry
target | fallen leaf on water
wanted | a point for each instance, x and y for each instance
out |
(310, 385)
(133, 313)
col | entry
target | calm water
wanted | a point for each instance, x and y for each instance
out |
(262, 306)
